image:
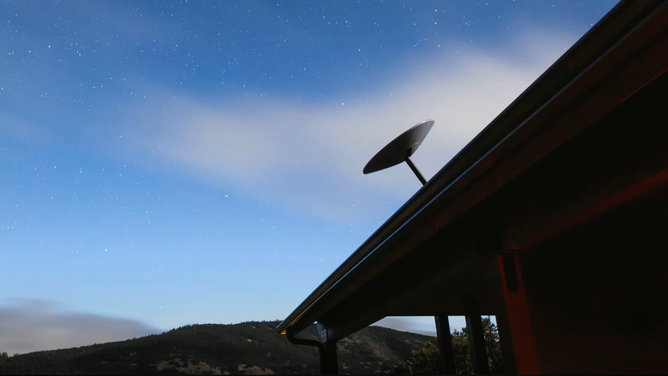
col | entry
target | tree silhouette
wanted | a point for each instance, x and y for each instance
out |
(425, 360)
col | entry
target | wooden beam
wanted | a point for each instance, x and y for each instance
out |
(595, 209)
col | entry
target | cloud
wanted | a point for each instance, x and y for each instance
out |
(424, 325)
(34, 325)
(420, 325)
(309, 156)
(22, 130)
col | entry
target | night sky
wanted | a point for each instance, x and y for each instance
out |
(170, 163)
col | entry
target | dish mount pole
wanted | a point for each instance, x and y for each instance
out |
(416, 171)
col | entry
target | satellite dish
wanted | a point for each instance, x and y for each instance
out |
(400, 150)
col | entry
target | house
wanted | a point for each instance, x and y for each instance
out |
(554, 219)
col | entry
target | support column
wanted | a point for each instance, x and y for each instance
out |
(329, 362)
(517, 323)
(476, 340)
(446, 355)
(498, 302)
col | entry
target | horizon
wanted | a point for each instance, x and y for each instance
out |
(198, 324)
(223, 324)
(178, 162)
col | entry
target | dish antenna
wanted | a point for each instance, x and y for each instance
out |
(400, 150)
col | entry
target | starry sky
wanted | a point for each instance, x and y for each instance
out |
(178, 162)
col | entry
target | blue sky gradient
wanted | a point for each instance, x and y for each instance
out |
(169, 163)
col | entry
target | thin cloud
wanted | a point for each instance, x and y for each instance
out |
(35, 325)
(309, 156)
(424, 325)
(420, 325)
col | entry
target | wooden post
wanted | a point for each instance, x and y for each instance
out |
(476, 340)
(446, 355)
(517, 318)
(329, 363)
(496, 294)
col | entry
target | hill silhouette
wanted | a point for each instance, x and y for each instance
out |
(246, 348)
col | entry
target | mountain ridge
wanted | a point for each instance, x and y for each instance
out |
(252, 347)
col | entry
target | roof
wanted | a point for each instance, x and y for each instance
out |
(579, 88)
